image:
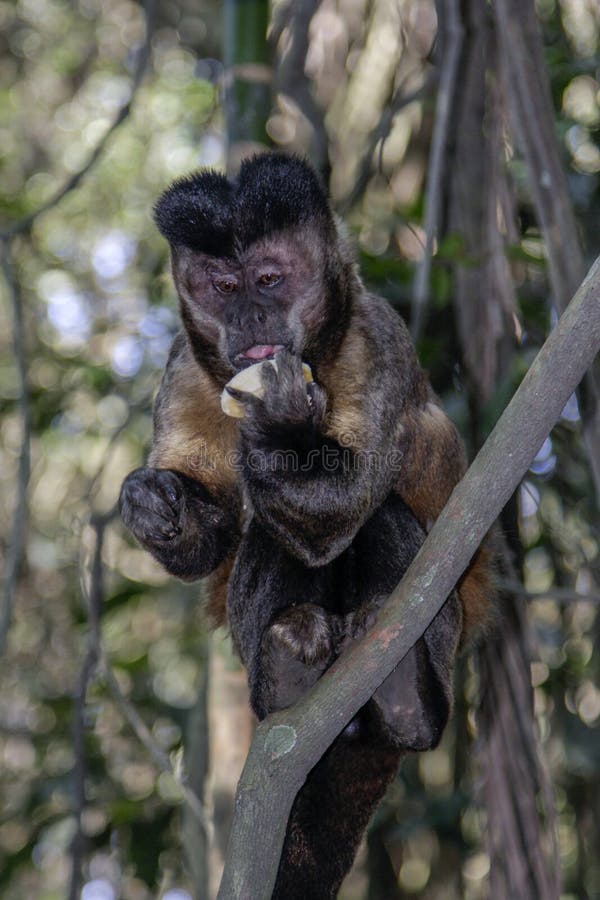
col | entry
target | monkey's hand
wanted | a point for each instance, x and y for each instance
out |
(301, 483)
(311, 492)
(174, 517)
(289, 404)
(151, 505)
(297, 647)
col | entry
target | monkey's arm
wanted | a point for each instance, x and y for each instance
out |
(184, 507)
(308, 489)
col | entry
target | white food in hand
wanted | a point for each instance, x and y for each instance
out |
(250, 382)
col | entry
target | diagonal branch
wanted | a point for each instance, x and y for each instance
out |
(144, 736)
(287, 745)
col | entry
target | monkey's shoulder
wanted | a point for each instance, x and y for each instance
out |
(375, 378)
(191, 434)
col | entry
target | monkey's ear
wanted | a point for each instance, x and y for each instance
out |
(276, 191)
(196, 212)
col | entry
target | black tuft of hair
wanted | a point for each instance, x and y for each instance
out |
(196, 212)
(272, 192)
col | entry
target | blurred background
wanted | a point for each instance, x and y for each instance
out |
(462, 147)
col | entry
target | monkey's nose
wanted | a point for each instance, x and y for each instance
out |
(242, 316)
(232, 317)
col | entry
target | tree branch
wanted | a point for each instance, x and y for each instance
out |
(95, 598)
(144, 736)
(95, 660)
(560, 595)
(292, 79)
(288, 744)
(16, 545)
(379, 136)
(521, 819)
(453, 33)
(532, 115)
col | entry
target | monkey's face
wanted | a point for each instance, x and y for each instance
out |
(250, 305)
(258, 263)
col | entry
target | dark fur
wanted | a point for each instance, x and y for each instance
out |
(208, 213)
(175, 518)
(308, 551)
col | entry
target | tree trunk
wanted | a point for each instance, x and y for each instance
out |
(248, 78)
(520, 845)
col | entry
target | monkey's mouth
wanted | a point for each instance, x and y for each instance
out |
(257, 353)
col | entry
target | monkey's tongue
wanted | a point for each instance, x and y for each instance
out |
(262, 351)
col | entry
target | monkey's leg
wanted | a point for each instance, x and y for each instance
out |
(297, 647)
(177, 520)
(414, 702)
(407, 712)
(330, 814)
(284, 636)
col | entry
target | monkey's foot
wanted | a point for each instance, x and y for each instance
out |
(296, 649)
(303, 632)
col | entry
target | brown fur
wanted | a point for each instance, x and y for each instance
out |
(476, 590)
(344, 382)
(435, 463)
(216, 592)
(191, 433)
(434, 459)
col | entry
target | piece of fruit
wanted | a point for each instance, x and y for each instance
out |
(249, 381)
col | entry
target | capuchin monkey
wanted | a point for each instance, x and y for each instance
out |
(306, 512)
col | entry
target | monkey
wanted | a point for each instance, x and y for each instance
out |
(304, 514)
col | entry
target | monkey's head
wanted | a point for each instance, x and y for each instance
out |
(258, 263)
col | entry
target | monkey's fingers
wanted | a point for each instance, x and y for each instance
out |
(317, 401)
(269, 376)
(160, 529)
(151, 504)
(239, 396)
(170, 489)
(286, 398)
(291, 374)
(153, 521)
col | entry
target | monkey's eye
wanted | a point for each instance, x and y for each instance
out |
(225, 285)
(269, 279)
